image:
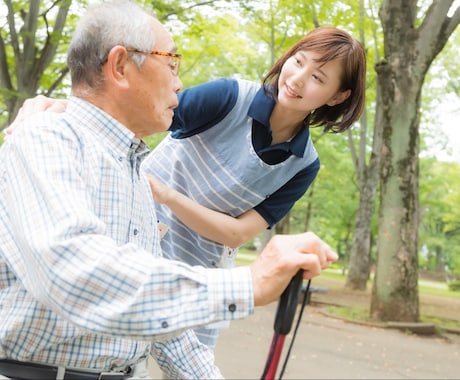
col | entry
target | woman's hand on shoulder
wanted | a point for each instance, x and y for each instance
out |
(34, 105)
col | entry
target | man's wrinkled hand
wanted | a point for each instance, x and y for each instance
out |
(282, 258)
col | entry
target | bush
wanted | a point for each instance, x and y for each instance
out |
(454, 286)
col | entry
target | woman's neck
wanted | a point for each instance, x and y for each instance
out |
(285, 124)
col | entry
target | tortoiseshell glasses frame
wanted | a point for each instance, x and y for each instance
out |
(176, 58)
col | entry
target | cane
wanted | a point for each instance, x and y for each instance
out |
(285, 312)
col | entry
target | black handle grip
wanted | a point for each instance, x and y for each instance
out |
(287, 305)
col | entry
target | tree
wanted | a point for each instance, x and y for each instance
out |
(35, 34)
(410, 46)
(367, 178)
(28, 46)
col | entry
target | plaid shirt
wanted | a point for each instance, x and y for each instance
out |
(81, 281)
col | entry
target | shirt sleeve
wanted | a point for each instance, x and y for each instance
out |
(278, 204)
(185, 357)
(203, 106)
(60, 251)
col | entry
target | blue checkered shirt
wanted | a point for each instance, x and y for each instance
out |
(82, 283)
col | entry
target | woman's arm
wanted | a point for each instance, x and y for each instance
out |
(213, 225)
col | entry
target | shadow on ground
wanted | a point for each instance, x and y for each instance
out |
(332, 348)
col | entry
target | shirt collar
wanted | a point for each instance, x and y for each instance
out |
(261, 107)
(299, 142)
(108, 130)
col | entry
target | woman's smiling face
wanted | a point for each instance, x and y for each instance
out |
(306, 84)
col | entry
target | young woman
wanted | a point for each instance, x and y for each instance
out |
(240, 154)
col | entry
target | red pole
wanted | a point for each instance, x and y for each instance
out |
(285, 312)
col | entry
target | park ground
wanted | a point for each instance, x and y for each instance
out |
(330, 347)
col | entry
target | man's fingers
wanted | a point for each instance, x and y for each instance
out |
(312, 266)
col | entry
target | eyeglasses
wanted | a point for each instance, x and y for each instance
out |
(176, 58)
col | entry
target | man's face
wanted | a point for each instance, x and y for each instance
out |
(153, 88)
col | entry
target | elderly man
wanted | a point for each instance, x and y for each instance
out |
(84, 291)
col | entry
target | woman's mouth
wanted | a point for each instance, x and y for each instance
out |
(291, 93)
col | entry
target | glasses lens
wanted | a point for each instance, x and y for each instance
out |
(176, 63)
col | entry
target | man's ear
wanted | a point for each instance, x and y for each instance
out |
(115, 67)
(340, 97)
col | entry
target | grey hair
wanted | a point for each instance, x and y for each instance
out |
(103, 26)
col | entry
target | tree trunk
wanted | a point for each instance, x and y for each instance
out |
(440, 264)
(359, 269)
(395, 292)
(283, 226)
(367, 175)
(360, 252)
(32, 56)
(308, 213)
(409, 52)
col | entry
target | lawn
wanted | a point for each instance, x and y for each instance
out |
(438, 304)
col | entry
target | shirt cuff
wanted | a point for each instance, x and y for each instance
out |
(231, 294)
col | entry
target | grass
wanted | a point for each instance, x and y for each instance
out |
(426, 287)
(245, 257)
(436, 288)
(357, 313)
(362, 314)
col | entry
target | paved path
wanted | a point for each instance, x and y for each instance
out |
(329, 348)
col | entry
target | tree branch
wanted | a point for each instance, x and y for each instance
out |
(5, 78)
(49, 49)
(453, 22)
(58, 81)
(432, 31)
(13, 34)
(28, 33)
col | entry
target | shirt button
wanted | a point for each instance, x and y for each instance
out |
(164, 324)
(232, 307)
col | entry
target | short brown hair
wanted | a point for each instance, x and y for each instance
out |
(333, 43)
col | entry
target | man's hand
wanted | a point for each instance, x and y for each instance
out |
(34, 105)
(282, 258)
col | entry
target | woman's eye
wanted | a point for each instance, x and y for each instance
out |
(316, 77)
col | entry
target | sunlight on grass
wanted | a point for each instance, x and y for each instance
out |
(361, 314)
(335, 272)
(246, 257)
(357, 313)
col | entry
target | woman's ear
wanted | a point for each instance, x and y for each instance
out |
(340, 97)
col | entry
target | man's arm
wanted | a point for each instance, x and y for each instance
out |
(68, 261)
(69, 264)
(179, 356)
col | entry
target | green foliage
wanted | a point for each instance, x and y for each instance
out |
(228, 38)
(153, 140)
(454, 286)
(334, 199)
(33, 44)
(440, 215)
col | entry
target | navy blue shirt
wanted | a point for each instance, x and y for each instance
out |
(203, 106)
